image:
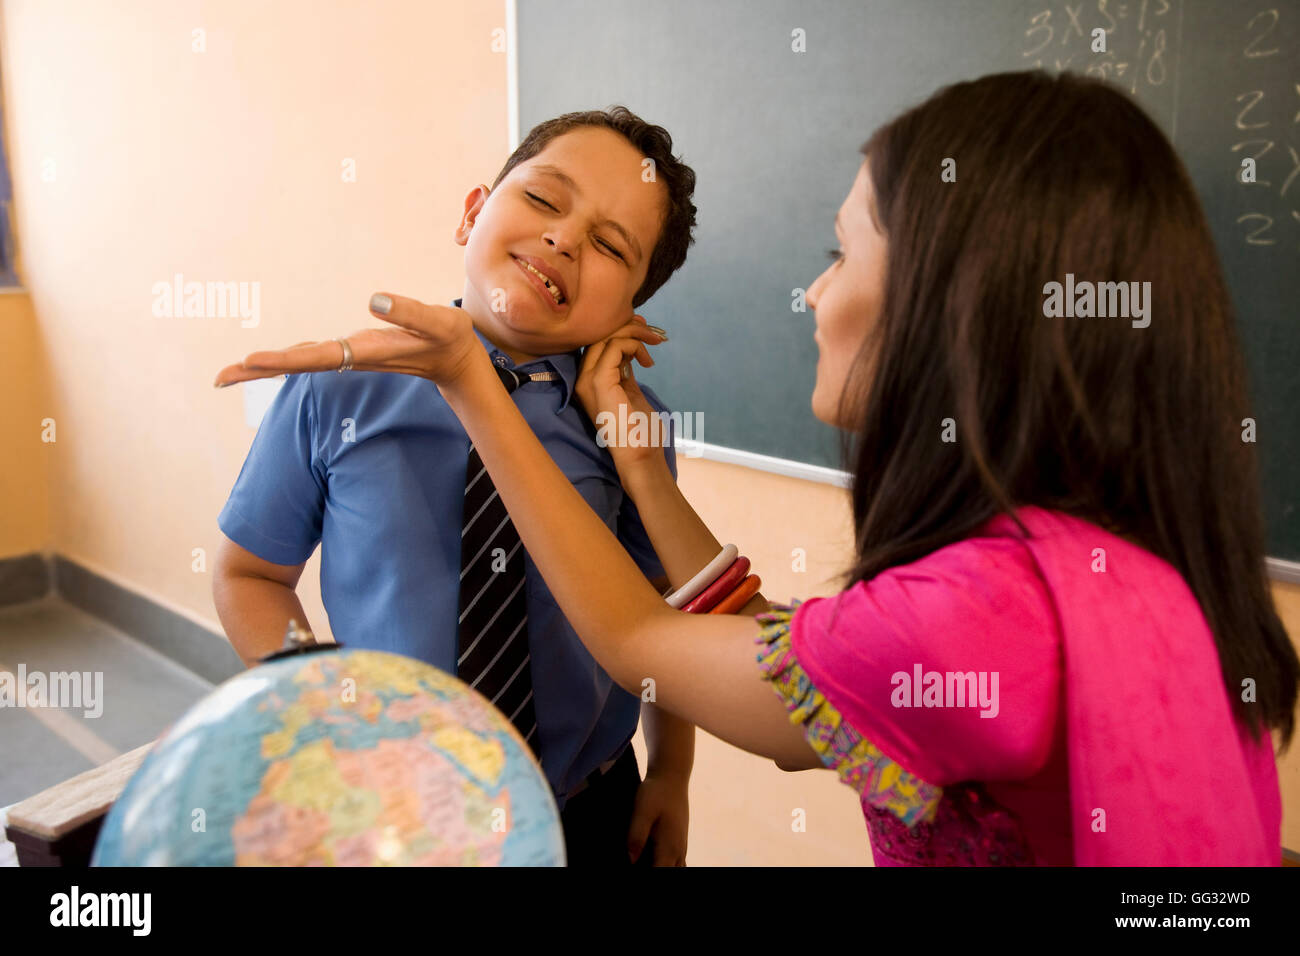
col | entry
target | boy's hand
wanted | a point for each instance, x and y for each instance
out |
(603, 386)
(436, 342)
(661, 815)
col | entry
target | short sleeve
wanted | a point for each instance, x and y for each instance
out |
(951, 665)
(276, 507)
(631, 531)
(878, 780)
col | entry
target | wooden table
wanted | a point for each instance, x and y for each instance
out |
(59, 826)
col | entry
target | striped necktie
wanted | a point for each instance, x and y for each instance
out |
(493, 653)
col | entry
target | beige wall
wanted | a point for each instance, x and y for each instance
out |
(24, 404)
(225, 166)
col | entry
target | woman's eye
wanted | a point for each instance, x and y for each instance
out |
(610, 248)
(835, 254)
(539, 199)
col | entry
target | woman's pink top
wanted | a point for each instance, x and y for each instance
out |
(1050, 699)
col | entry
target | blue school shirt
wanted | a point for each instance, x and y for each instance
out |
(372, 466)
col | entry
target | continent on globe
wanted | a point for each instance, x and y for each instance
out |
(336, 757)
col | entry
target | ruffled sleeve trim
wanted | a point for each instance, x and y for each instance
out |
(879, 781)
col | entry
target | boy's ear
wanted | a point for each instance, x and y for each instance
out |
(474, 201)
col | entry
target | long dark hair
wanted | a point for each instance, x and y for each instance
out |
(1135, 429)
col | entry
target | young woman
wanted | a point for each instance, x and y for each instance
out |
(1057, 643)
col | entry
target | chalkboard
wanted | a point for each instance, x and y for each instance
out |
(773, 133)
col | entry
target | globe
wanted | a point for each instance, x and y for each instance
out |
(336, 757)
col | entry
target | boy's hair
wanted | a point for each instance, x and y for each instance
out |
(653, 142)
(1134, 429)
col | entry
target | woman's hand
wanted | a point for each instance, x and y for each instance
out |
(605, 382)
(436, 342)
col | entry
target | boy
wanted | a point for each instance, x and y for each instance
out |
(587, 219)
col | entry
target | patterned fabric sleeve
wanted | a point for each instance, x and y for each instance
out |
(879, 782)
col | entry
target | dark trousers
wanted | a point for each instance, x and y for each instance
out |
(596, 820)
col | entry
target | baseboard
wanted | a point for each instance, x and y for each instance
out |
(27, 577)
(31, 577)
(193, 647)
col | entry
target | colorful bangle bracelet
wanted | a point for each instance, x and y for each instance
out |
(707, 576)
(740, 597)
(720, 588)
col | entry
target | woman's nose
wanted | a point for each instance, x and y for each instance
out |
(813, 294)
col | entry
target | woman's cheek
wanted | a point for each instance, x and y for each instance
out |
(822, 403)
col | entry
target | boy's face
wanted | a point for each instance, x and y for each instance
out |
(580, 212)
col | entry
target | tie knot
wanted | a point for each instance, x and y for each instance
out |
(512, 379)
(509, 378)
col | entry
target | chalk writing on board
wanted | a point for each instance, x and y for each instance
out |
(1141, 39)
(1270, 204)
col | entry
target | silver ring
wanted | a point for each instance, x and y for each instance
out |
(347, 355)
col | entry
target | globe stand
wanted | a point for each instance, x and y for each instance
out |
(297, 640)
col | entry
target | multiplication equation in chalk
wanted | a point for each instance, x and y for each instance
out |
(1133, 44)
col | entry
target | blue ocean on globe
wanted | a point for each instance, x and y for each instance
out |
(337, 757)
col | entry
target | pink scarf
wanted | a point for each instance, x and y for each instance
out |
(1151, 736)
(1159, 771)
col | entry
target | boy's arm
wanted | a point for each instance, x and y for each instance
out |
(670, 743)
(270, 526)
(662, 812)
(255, 600)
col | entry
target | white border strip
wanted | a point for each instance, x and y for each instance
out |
(1278, 569)
(512, 75)
(749, 459)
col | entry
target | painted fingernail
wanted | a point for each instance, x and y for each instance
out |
(380, 303)
(661, 333)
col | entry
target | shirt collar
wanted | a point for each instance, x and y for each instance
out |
(564, 363)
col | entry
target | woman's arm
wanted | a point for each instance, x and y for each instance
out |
(703, 666)
(681, 540)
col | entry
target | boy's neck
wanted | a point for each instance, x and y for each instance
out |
(483, 324)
